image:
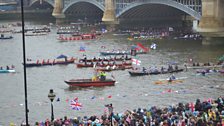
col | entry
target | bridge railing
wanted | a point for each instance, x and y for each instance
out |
(193, 4)
(67, 2)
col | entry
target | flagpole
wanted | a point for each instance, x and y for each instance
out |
(24, 63)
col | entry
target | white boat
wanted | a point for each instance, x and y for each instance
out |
(8, 71)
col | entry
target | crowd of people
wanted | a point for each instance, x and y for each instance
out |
(201, 113)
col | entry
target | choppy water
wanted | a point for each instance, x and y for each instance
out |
(128, 93)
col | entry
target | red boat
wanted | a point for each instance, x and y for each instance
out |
(75, 38)
(90, 82)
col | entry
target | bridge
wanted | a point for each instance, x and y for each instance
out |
(124, 7)
(209, 13)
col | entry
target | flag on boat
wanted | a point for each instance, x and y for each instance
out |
(82, 49)
(136, 61)
(153, 46)
(145, 49)
(75, 105)
(170, 28)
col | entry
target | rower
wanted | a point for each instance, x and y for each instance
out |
(107, 67)
(162, 69)
(144, 69)
(203, 73)
(102, 76)
(185, 65)
(126, 56)
(176, 67)
(114, 62)
(172, 78)
(198, 64)
(92, 63)
(114, 66)
(12, 66)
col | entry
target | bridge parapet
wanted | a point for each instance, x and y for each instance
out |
(68, 2)
(192, 7)
(193, 4)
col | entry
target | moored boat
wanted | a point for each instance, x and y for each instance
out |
(89, 82)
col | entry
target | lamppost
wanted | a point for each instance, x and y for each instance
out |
(51, 96)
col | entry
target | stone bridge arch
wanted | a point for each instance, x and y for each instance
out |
(170, 3)
(51, 2)
(94, 2)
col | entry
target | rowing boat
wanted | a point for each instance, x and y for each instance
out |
(8, 71)
(89, 82)
(142, 73)
(167, 81)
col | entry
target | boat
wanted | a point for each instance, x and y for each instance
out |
(135, 49)
(89, 82)
(221, 71)
(106, 53)
(8, 71)
(203, 66)
(113, 69)
(36, 33)
(80, 65)
(5, 37)
(78, 37)
(49, 62)
(167, 81)
(142, 73)
(105, 59)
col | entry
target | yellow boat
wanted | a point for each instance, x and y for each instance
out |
(168, 82)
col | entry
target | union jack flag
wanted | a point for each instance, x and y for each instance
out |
(75, 105)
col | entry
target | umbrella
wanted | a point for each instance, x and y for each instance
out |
(62, 56)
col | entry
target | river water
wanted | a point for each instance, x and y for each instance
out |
(129, 93)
